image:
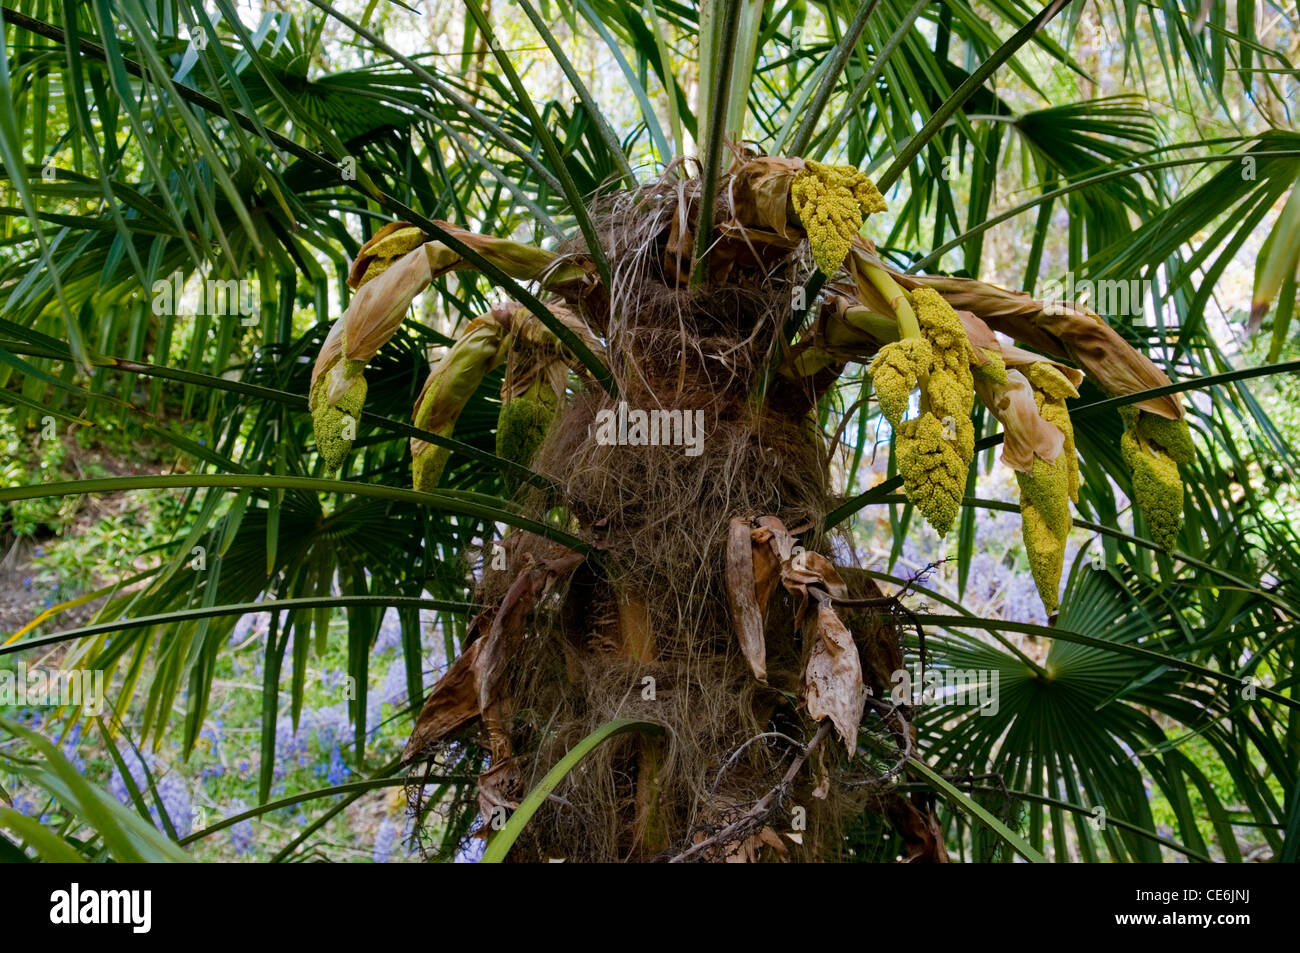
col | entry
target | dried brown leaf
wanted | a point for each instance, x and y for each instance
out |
(470, 688)
(1109, 360)
(833, 679)
(499, 788)
(979, 334)
(773, 840)
(451, 705)
(919, 828)
(1014, 356)
(376, 311)
(762, 193)
(742, 596)
(1026, 433)
(823, 787)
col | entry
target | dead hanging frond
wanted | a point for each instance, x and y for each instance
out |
(760, 553)
(472, 688)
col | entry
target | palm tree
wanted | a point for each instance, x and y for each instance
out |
(669, 649)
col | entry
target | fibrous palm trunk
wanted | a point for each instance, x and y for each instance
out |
(712, 600)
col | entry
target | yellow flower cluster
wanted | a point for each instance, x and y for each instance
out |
(1046, 491)
(950, 388)
(1045, 524)
(893, 374)
(832, 201)
(934, 450)
(1157, 488)
(1173, 436)
(339, 393)
(522, 425)
(994, 368)
(1153, 447)
(449, 386)
(388, 249)
(1051, 388)
(933, 469)
(427, 467)
(335, 425)
(335, 403)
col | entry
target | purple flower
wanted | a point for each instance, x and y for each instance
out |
(212, 732)
(117, 786)
(390, 633)
(25, 804)
(247, 624)
(431, 633)
(171, 789)
(385, 840)
(338, 771)
(394, 690)
(471, 853)
(70, 750)
(241, 834)
(290, 745)
(175, 797)
(1022, 603)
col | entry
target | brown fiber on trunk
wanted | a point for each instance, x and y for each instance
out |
(648, 627)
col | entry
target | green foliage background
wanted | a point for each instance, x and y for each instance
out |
(1016, 142)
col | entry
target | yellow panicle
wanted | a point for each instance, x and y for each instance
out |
(335, 425)
(1173, 436)
(1051, 388)
(1048, 378)
(994, 368)
(377, 256)
(451, 383)
(1157, 488)
(832, 201)
(952, 385)
(1056, 414)
(522, 425)
(1044, 526)
(935, 451)
(930, 459)
(894, 373)
(427, 463)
